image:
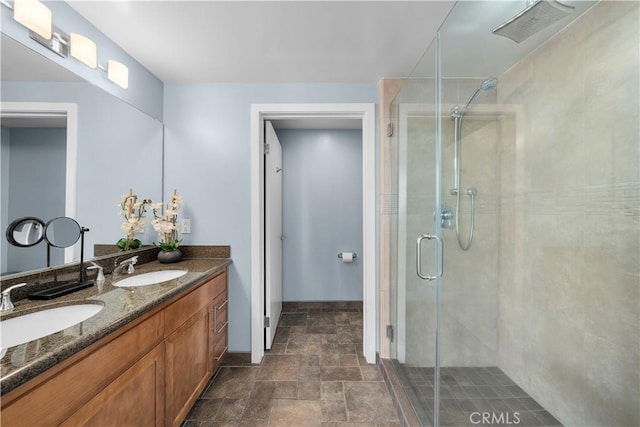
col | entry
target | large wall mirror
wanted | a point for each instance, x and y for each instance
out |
(69, 149)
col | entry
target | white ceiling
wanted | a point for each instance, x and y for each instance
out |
(270, 41)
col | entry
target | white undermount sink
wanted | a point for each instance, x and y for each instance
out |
(28, 327)
(150, 278)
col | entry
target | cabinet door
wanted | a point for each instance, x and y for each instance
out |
(187, 366)
(81, 378)
(135, 398)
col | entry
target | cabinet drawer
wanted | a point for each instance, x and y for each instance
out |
(219, 284)
(178, 312)
(219, 348)
(220, 317)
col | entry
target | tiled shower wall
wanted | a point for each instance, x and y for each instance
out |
(569, 230)
(469, 307)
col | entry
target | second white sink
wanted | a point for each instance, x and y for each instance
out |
(38, 324)
(150, 278)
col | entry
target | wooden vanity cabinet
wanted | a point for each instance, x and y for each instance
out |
(188, 326)
(58, 393)
(149, 373)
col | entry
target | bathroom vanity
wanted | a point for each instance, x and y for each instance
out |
(142, 360)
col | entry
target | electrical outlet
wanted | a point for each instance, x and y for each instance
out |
(186, 226)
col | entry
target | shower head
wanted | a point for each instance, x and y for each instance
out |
(487, 84)
(538, 15)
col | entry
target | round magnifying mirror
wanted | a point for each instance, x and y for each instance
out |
(25, 232)
(62, 232)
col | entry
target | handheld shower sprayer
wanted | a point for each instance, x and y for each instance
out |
(457, 114)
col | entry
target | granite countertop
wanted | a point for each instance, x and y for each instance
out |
(121, 306)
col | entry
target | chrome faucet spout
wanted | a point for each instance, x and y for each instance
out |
(125, 267)
(6, 304)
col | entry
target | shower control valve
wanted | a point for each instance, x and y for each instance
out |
(446, 217)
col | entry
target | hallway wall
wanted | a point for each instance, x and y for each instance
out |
(322, 214)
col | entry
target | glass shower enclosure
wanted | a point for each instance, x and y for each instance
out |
(515, 275)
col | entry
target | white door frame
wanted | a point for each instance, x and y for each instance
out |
(55, 109)
(364, 112)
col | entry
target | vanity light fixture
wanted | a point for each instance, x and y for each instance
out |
(84, 50)
(117, 73)
(38, 19)
(35, 16)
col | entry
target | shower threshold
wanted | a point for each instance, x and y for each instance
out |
(471, 396)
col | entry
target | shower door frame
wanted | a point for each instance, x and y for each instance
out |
(432, 111)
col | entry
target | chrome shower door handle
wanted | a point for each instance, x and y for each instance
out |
(419, 256)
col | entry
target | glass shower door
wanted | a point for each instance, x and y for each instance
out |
(418, 231)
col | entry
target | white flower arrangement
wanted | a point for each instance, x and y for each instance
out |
(133, 213)
(165, 223)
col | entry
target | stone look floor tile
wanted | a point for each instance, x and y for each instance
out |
(295, 413)
(309, 390)
(232, 382)
(285, 389)
(204, 409)
(348, 360)
(331, 390)
(371, 373)
(347, 373)
(333, 410)
(258, 406)
(230, 410)
(314, 375)
(368, 402)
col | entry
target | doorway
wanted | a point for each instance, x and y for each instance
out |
(261, 113)
(55, 125)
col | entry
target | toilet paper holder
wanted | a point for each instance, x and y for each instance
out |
(355, 255)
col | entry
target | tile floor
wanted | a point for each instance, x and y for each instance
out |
(468, 390)
(314, 375)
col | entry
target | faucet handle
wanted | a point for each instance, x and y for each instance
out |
(6, 303)
(100, 276)
(9, 289)
(131, 269)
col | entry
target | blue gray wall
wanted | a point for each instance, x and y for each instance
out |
(145, 89)
(119, 147)
(36, 188)
(207, 158)
(322, 214)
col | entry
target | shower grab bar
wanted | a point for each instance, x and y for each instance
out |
(419, 256)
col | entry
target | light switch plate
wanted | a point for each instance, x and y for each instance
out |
(186, 226)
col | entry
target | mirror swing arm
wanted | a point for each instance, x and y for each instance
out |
(69, 232)
(83, 275)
